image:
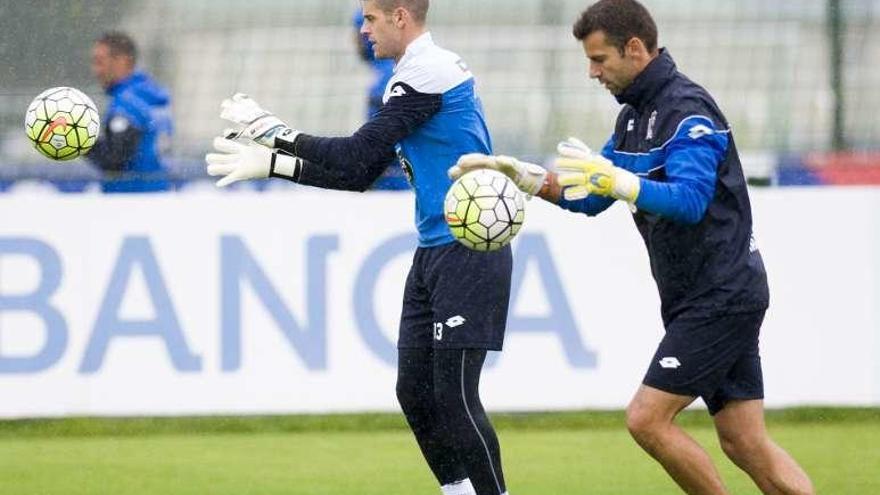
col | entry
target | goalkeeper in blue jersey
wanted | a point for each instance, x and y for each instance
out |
(455, 301)
(672, 158)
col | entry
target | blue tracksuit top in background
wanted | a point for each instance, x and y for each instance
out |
(431, 117)
(137, 124)
(693, 212)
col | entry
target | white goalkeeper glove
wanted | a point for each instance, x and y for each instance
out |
(236, 161)
(528, 177)
(583, 172)
(252, 122)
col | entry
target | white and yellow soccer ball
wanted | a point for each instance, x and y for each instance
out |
(62, 123)
(484, 210)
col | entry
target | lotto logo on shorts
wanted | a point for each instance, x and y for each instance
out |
(670, 362)
(455, 321)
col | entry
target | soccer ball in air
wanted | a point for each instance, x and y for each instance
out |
(62, 123)
(484, 210)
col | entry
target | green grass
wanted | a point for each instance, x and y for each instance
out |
(546, 454)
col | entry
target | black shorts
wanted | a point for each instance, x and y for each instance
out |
(714, 358)
(456, 298)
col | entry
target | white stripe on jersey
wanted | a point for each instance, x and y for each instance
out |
(427, 68)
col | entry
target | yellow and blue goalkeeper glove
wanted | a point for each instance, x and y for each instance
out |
(582, 172)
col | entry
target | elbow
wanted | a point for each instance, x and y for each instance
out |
(693, 212)
(358, 186)
(361, 188)
(690, 218)
(692, 205)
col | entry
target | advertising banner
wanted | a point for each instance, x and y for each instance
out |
(257, 303)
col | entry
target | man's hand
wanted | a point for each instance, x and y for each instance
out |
(583, 172)
(528, 177)
(238, 161)
(575, 149)
(252, 122)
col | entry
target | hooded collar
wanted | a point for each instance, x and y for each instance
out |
(115, 87)
(650, 81)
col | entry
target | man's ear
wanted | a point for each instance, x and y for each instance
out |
(635, 48)
(399, 16)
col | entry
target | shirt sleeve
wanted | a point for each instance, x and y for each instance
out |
(693, 156)
(355, 162)
(115, 149)
(593, 204)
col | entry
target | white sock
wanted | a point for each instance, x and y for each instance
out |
(463, 487)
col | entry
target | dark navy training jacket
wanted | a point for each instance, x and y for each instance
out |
(693, 208)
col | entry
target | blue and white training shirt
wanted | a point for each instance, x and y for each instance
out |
(431, 116)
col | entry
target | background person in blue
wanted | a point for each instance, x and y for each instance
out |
(672, 157)
(383, 68)
(455, 300)
(137, 122)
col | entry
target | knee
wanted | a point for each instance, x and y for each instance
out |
(643, 424)
(412, 394)
(459, 408)
(741, 448)
(730, 447)
(450, 399)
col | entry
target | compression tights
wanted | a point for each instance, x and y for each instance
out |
(439, 393)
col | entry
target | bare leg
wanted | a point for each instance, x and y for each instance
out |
(649, 418)
(744, 439)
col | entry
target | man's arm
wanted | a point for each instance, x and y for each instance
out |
(535, 180)
(692, 160)
(346, 163)
(591, 205)
(360, 159)
(693, 154)
(118, 145)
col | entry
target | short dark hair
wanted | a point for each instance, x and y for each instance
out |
(620, 20)
(418, 8)
(119, 43)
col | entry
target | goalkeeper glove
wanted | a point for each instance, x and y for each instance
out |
(252, 122)
(528, 177)
(583, 172)
(238, 161)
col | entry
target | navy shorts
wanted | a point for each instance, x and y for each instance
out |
(456, 298)
(715, 358)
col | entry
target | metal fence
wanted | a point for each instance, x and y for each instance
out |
(769, 63)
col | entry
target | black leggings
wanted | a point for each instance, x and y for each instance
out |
(438, 390)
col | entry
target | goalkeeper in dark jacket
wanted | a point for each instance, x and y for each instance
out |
(673, 159)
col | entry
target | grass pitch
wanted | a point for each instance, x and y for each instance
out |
(545, 454)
